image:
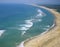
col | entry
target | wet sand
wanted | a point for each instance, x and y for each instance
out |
(49, 39)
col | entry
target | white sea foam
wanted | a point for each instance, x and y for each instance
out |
(21, 44)
(29, 23)
(48, 29)
(39, 20)
(48, 26)
(1, 32)
(39, 10)
(23, 32)
(53, 25)
(40, 13)
(26, 26)
(23, 28)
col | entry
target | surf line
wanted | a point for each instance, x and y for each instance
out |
(29, 22)
(24, 27)
(1, 32)
(23, 42)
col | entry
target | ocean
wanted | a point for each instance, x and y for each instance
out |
(19, 22)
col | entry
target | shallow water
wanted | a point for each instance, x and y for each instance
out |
(21, 22)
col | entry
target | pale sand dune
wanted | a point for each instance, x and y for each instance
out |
(49, 39)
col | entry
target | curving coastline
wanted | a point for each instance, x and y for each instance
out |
(48, 39)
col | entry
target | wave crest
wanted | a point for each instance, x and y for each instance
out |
(1, 32)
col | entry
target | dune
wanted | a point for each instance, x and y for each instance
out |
(50, 38)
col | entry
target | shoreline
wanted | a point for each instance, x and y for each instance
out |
(46, 37)
(39, 34)
(23, 42)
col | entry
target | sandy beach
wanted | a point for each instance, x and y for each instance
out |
(49, 39)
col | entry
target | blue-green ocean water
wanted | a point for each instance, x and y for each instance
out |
(20, 22)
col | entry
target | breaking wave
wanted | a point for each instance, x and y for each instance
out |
(29, 22)
(24, 27)
(40, 13)
(1, 32)
(21, 45)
